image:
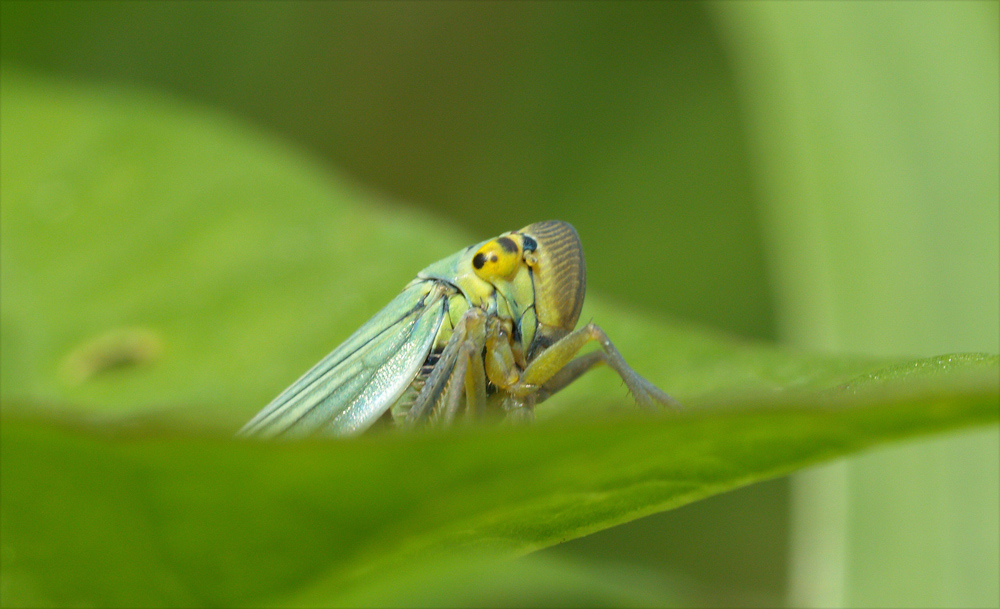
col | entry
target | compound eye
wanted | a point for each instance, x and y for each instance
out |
(497, 259)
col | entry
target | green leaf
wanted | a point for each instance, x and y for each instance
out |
(875, 131)
(166, 272)
(186, 520)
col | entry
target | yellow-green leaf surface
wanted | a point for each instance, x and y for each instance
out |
(166, 272)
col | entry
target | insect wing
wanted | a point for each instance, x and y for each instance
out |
(349, 389)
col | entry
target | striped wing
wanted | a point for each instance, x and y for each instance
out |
(349, 389)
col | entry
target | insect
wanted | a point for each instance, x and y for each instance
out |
(488, 329)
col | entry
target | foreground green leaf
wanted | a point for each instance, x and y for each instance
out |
(166, 273)
(182, 520)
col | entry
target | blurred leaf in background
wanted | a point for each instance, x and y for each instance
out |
(876, 130)
(491, 114)
(821, 173)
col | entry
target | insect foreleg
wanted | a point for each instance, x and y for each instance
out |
(548, 364)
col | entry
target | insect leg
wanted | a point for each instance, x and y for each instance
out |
(468, 378)
(569, 373)
(548, 364)
(469, 336)
(475, 385)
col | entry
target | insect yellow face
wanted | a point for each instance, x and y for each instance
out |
(499, 259)
(540, 272)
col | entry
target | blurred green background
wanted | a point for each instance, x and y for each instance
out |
(820, 174)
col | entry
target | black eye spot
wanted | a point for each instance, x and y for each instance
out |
(530, 244)
(494, 257)
(507, 244)
(479, 261)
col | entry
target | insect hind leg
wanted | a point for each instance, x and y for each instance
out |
(468, 338)
(569, 373)
(469, 377)
(545, 374)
